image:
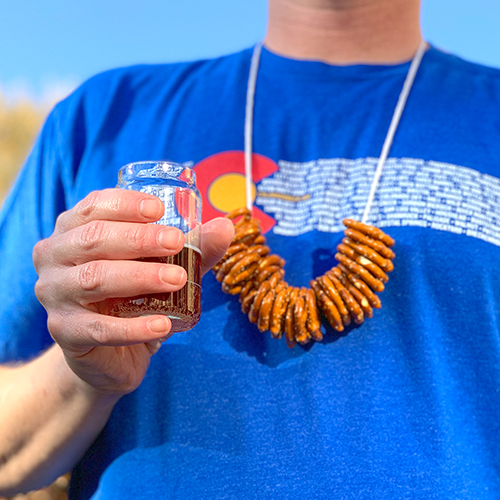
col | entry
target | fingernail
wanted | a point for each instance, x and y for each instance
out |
(150, 208)
(169, 238)
(173, 275)
(160, 325)
(155, 344)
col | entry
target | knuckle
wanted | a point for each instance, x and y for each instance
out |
(92, 234)
(90, 276)
(138, 238)
(40, 250)
(107, 333)
(40, 290)
(126, 332)
(55, 325)
(60, 222)
(98, 332)
(89, 205)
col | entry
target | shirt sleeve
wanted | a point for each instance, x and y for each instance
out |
(28, 215)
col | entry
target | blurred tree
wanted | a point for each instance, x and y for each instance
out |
(56, 491)
(20, 122)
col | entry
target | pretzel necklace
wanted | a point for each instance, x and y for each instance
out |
(344, 294)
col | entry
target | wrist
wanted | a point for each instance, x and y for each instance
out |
(74, 386)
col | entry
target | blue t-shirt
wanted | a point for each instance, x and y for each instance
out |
(406, 405)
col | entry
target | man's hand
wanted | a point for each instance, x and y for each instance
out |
(90, 258)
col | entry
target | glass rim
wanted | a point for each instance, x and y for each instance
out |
(157, 169)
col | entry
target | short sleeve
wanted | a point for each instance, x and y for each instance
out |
(28, 215)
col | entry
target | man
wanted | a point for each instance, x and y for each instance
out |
(405, 405)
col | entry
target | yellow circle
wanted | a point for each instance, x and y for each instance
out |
(227, 192)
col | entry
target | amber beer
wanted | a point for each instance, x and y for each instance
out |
(175, 186)
(182, 307)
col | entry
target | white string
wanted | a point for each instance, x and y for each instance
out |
(252, 80)
(410, 77)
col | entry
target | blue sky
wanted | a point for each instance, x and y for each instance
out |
(53, 44)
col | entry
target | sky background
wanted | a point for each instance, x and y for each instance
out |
(49, 46)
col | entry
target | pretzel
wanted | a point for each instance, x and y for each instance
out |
(246, 289)
(240, 281)
(360, 271)
(244, 228)
(275, 278)
(229, 263)
(263, 274)
(244, 220)
(239, 212)
(364, 262)
(347, 251)
(271, 260)
(260, 240)
(230, 251)
(278, 311)
(331, 292)
(289, 318)
(371, 231)
(376, 245)
(361, 299)
(240, 271)
(372, 268)
(235, 249)
(343, 294)
(253, 314)
(247, 301)
(247, 235)
(369, 253)
(280, 286)
(262, 250)
(265, 311)
(359, 284)
(232, 290)
(354, 308)
(302, 336)
(327, 307)
(313, 323)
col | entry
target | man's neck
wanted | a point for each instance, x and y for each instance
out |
(344, 31)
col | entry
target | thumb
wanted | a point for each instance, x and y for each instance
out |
(216, 235)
